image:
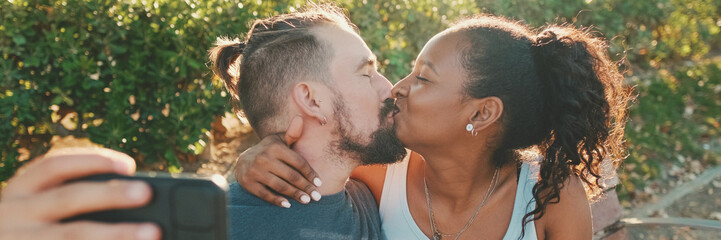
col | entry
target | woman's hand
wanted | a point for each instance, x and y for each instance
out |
(272, 165)
(36, 199)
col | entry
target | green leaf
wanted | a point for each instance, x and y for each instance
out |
(194, 64)
(173, 164)
(19, 40)
(118, 49)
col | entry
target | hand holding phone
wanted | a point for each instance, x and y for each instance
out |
(37, 198)
(185, 206)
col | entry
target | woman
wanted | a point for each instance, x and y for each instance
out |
(507, 127)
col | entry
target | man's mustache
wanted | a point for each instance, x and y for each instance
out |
(389, 105)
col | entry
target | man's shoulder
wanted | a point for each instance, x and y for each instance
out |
(358, 190)
(362, 197)
(239, 197)
(350, 214)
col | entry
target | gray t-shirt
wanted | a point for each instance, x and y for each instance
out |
(349, 214)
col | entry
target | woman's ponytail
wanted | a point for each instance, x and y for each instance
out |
(579, 85)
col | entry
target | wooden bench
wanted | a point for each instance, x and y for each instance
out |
(610, 224)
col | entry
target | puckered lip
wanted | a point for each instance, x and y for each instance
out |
(395, 110)
(391, 108)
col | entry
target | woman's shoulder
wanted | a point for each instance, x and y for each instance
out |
(374, 176)
(570, 218)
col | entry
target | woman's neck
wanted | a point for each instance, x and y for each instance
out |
(461, 179)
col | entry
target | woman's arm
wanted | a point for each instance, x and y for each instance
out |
(272, 165)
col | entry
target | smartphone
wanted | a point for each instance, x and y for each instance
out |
(185, 206)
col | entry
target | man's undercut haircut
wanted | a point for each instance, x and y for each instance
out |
(277, 52)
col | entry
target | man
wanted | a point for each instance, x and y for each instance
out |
(310, 66)
(313, 66)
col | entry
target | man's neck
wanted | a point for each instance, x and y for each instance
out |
(333, 170)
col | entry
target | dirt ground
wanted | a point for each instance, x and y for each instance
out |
(703, 203)
(229, 138)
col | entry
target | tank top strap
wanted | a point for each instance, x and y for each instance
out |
(394, 186)
(396, 219)
(523, 204)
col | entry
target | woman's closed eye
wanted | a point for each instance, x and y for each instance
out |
(422, 79)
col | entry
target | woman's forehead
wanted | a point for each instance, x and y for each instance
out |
(443, 53)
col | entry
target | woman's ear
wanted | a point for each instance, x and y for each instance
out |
(305, 96)
(487, 111)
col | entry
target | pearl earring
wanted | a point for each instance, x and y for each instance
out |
(470, 129)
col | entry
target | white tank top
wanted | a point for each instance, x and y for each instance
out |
(397, 222)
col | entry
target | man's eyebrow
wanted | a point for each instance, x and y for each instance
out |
(369, 61)
(430, 65)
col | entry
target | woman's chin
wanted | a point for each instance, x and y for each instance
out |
(401, 133)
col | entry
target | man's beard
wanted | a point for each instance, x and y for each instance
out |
(384, 147)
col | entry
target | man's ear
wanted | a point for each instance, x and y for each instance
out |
(305, 96)
(486, 111)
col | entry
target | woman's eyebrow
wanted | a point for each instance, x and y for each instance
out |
(430, 65)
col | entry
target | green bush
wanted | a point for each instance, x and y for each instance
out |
(650, 34)
(675, 121)
(644, 31)
(134, 74)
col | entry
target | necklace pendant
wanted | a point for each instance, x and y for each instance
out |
(436, 236)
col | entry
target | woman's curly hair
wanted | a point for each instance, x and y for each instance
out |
(562, 96)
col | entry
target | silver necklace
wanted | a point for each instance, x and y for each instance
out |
(437, 235)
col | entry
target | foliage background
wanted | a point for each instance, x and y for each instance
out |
(132, 76)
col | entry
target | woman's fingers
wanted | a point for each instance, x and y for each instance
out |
(267, 195)
(84, 197)
(291, 135)
(247, 159)
(289, 182)
(297, 162)
(270, 181)
(278, 181)
(271, 168)
(88, 231)
(274, 172)
(271, 157)
(51, 170)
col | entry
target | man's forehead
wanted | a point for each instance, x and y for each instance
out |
(330, 31)
(348, 47)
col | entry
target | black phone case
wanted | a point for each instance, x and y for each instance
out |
(186, 207)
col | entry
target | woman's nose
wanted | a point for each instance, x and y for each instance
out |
(400, 89)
